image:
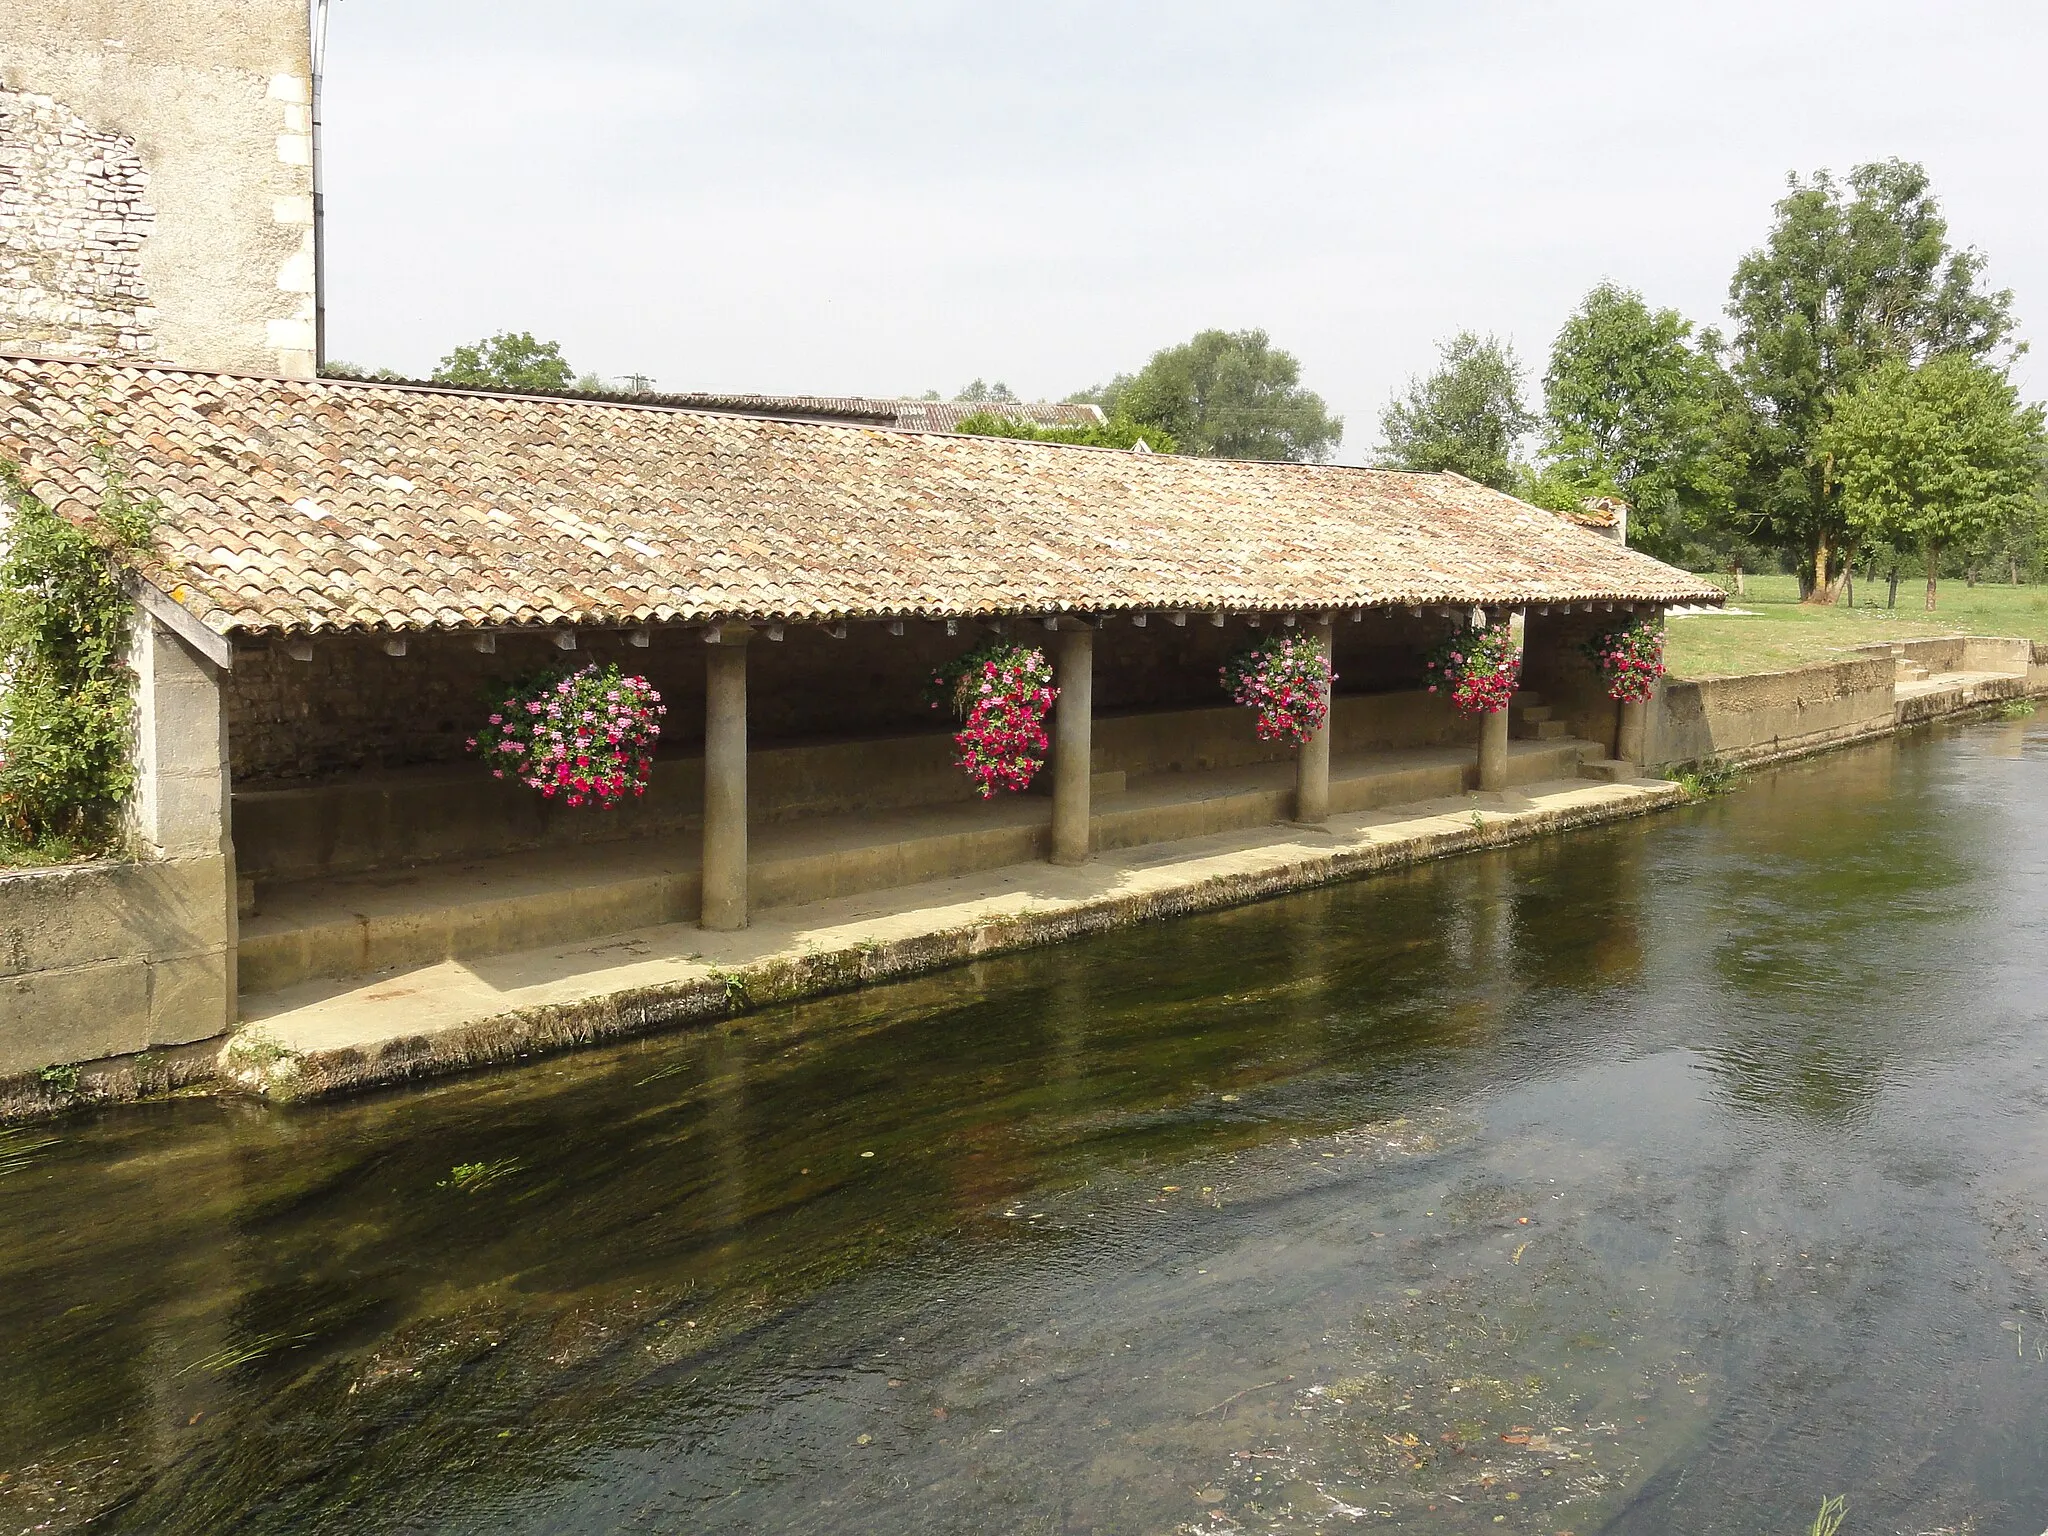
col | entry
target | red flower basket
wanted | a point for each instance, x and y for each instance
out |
(1630, 659)
(1478, 668)
(1000, 694)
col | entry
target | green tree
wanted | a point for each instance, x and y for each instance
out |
(1852, 275)
(1934, 457)
(1225, 394)
(979, 393)
(1463, 417)
(1118, 432)
(1633, 409)
(508, 360)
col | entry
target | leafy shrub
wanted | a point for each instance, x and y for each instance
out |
(67, 696)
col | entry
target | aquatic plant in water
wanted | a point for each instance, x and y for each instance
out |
(1630, 658)
(1000, 693)
(586, 738)
(1479, 668)
(1286, 678)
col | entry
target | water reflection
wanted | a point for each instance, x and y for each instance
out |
(1617, 1181)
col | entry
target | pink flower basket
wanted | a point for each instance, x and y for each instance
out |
(1286, 679)
(585, 738)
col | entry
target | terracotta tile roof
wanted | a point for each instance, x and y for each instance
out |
(312, 505)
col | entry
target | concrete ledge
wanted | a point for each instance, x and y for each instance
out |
(107, 959)
(312, 1041)
(465, 911)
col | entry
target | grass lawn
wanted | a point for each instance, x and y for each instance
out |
(1785, 634)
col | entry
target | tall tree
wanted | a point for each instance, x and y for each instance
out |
(1225, 394)
(1933, 457)
(980, 393)
(508, 360)
(1465, 416)
(1633, 409)
(1852, 275)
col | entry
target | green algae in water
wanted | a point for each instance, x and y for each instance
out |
(1662, 1178)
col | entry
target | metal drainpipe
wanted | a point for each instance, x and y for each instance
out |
(319, 194)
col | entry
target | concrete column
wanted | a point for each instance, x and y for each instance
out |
(1493, 750)
(725, 782)
(178, 820)
(1629, 736)
(1073, 744)
(1312, 761)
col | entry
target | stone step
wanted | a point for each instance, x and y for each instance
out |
(1608, 770)
(1544, 730)
(1532, 713)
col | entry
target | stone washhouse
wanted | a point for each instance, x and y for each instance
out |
(346, 569)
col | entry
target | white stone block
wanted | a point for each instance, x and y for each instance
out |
(293, 88)
(295, 148)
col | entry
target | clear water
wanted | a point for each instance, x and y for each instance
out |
(1666, 1178)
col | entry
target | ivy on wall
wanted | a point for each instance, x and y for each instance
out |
(67, 695)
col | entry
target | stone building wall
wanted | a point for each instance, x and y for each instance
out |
(156, 191)
(352, 707)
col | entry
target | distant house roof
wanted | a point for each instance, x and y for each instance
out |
(881, 411)
(946, 415)
(310, 505)
(1599, 512)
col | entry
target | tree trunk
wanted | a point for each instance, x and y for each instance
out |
(1970, 574)
(1892, 599)
(2015, 559)
(1933, 565)
(1738, 579)
(1823, 591)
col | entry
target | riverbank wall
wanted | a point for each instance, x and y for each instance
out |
(111, 974)
(1766, 717)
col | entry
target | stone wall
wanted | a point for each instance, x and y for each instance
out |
(73, 216)
(156, 182)
(352, 707)
(1733, 719)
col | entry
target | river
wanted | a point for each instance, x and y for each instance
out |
(1668, 1177)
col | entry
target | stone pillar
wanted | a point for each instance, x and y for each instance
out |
(1629, 736)
(724, 905)
(1073, 745)
(1312, 761)
(178, 820)
(1493, 750)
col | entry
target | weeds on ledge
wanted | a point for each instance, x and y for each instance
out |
(1703, 781)
(2016, 709)
(1832, 1513)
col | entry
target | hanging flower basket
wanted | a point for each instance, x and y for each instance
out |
(1286, 678)
(1630, 659)
(1479, 668)
(586, 738)
(1000, 694)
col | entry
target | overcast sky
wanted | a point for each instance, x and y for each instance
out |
(887, 196)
